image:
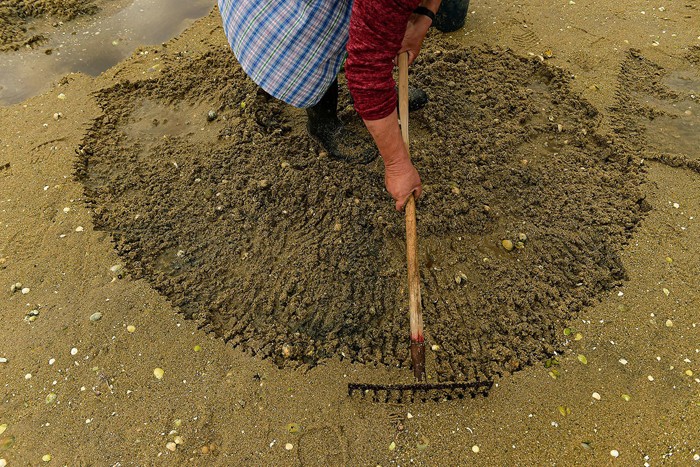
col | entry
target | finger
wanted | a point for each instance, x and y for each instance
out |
(411, 56)
(401, 50)
(417, 191)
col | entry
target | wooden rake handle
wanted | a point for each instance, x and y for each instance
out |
(414, 300)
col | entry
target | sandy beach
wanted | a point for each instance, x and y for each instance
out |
(186, 278)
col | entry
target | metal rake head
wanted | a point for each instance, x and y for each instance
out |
(398, 393)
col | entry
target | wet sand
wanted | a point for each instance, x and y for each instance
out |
(630, 79)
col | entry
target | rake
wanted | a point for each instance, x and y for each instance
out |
(420, 390)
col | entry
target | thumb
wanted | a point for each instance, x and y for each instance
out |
(415, 193)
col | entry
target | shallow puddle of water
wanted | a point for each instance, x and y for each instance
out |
(92, 45)
(683, 82)
(678, 131)
(678, 135)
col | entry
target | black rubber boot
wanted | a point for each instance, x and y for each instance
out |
(417, 98)
(325, 126)
(451, 15)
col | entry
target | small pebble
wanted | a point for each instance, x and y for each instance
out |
(158, 373)
(178, 440)
(289, 446)
(131, 328)
(3, 427)
(96, 316)
(171, 446)
(57, 115)
(74, 351)
(522, 237)
(475, 448)
(676, 205)
(3, 462)
(650, 378)
(409, 415)
(507, 244)
(80, 228)
(669, 323)
(197, 348)
(595, 396)
(52, 361)
(623, 361)
(61, 96)
(286, 350)
(696, 457)
(28, 376)
(66, 210)
(689, 372)
(46, 457)
(392, 446)
(3, 360)
(626, 397)
(25, 290)
(211, 115)
(116, 268)
(293, 427)
(435, 347)
(455, 190)
(666, 292)
(50, 398)
(614, 453)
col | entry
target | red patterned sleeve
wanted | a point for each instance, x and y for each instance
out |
(377, 28)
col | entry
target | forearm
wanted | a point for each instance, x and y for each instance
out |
(387, 135)
(400, 176)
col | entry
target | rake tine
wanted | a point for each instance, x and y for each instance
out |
(419, 391)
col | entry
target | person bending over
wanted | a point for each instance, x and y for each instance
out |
(294, 49)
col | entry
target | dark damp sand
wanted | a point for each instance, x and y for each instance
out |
(598, 210)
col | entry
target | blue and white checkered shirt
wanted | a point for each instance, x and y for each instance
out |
(293, 49)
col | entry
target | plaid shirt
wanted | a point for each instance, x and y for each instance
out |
(293, 49)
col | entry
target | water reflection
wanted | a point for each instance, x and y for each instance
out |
(92, 45)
